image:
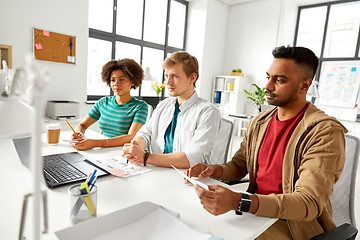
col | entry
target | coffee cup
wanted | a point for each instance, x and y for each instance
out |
(53, 133)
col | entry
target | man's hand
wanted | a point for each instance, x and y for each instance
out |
(218, 200)
(133, 152)
(200, 170)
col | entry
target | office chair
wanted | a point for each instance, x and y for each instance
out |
(219, 153)
(150, 111)
(342, 199)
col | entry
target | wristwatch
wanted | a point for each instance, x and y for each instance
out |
(146, 157)
(244, 204)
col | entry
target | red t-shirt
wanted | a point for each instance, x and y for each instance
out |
(272, 151)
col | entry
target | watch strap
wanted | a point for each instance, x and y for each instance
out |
(146, 157)
(244, 204)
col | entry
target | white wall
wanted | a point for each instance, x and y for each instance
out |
(206, 40)
(252, 36)
(18, 17)
(255, 28)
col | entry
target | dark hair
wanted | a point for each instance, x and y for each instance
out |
(301, 55)
(130, 68)
(190, 63)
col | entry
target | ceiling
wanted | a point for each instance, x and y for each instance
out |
(299, 2)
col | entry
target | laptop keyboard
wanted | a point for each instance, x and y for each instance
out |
(60, 170)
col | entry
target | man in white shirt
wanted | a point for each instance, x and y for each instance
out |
(183, 127)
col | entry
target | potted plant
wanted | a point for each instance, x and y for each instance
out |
(237, 72)
(258, 96)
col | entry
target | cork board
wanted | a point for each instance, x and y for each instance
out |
(6, 54)
(54, 47)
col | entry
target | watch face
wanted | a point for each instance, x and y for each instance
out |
(245, 205)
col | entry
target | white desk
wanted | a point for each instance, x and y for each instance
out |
(161, 186)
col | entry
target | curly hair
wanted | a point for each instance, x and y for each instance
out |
(131, 69)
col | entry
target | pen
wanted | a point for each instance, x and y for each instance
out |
(127, 161)
(92, 177)
(70, 126)
(70, 46)
(92, 185)
(87, 179)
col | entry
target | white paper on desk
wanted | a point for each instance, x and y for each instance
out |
(119, 167)
(193, 181)
(156, 225)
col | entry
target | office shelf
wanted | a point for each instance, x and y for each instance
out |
(228, 94)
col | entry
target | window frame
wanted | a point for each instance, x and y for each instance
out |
(321, 57)
(113, 38)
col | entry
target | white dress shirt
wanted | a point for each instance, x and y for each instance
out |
(197, 125)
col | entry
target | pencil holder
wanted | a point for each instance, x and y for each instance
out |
(82, 206)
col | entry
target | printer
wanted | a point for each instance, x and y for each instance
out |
(62, 109)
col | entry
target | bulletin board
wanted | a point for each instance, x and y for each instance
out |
(339, 83)
(54, 47)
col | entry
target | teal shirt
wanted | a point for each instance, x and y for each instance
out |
(170, 131)
(114, 119)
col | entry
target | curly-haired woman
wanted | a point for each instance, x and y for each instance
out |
(120, 116)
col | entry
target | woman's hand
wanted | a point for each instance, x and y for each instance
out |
(78, 136)
(84, 144)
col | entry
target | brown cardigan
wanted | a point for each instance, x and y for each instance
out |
(313, 162)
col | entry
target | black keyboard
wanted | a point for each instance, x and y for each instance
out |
(61, 170)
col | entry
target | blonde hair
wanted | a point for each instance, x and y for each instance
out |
(190, 63)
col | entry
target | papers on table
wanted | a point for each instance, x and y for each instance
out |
(119, 167)
(156, 225)
(192, 180)
(145, 220)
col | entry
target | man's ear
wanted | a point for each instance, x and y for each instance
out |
(305, 84)
(193, 78)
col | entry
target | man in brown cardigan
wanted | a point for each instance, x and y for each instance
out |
(293, 153)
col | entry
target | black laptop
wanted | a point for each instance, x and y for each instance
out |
(59, 169)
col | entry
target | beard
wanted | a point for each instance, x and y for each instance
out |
(273, 99)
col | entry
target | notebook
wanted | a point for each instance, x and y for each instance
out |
(59, 169)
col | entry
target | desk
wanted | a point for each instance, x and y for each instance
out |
(162, 186)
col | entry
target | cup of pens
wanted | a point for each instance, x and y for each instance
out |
(83, 200)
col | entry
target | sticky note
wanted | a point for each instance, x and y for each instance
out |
(46, 33)
(38, 46)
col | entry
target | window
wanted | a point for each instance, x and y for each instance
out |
(144, 30)
(331, 30)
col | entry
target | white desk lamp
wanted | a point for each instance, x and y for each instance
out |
(14, 123)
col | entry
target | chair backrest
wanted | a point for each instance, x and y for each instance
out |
(342, 199)
(150, 111)
(219, 153)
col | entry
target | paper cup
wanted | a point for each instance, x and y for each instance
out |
(53, 133)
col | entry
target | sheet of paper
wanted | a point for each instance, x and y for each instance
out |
(157, 225)
(119, 167)
(193, 181)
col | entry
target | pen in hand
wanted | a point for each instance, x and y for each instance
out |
(70, 126)
(76, 134)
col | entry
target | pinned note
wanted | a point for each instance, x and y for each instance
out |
(46, 33)
(38, 46)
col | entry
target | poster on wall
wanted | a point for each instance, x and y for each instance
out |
(339, 83)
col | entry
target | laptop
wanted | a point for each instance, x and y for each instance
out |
(59, 169)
